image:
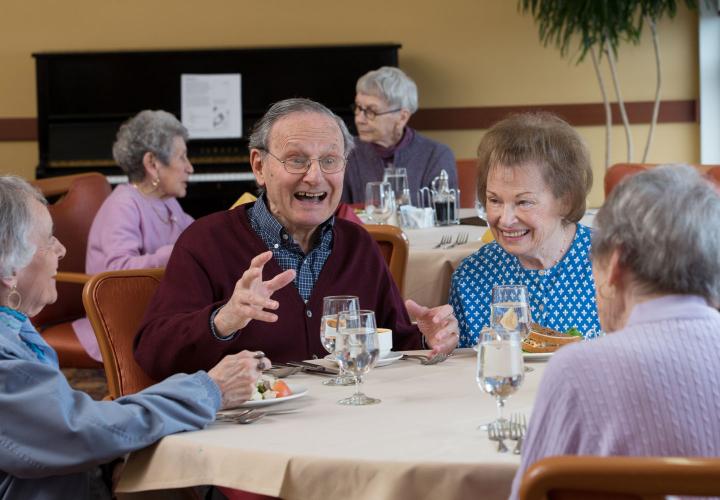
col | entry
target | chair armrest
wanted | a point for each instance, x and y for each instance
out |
(71, 277)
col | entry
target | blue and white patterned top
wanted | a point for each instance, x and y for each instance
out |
(288, 254)
(561, 297)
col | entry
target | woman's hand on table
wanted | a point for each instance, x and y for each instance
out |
(251, 297)
(237, 374)
(438, 325)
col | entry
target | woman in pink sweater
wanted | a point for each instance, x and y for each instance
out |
(139, 222)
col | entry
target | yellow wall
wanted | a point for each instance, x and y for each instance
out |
(462, 53)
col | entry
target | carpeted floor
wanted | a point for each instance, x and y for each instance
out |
(91, 381)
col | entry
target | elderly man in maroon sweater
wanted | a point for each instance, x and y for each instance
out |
(255, 277)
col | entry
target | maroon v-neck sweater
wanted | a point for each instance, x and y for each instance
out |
(209, 258)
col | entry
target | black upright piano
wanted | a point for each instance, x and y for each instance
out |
(83, 97)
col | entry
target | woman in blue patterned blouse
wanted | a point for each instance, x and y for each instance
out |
(533, 177)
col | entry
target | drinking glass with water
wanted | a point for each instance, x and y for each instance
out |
(333, 305)
(510, 309)
(398, 180)
(357, 349)
(379, 201)
(500, 370)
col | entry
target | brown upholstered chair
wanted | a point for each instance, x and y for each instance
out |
(73, 202)
(620, 478)
(621, 170)
(395, 247)
(115, 302)
(467, 182)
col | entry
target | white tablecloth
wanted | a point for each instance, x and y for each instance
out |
(427, 279)
(421, 442)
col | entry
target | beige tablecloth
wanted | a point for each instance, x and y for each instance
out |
(421, 442)
(427, 279)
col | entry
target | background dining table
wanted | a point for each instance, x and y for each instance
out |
(421, 442)
(429, 268)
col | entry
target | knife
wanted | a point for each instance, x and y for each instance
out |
(313, 368)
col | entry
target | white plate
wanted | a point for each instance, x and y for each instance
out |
(530, 356)
(388, 359)
(297, 392)
(537, 356)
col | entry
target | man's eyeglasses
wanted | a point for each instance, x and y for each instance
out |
(370, 114)
(301, 164)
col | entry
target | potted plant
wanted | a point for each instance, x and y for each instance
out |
(600, 26)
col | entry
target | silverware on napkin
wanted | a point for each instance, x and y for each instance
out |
(313, 368)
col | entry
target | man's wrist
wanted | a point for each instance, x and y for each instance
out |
(215, 331)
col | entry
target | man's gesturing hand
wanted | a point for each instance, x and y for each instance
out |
(251, 297)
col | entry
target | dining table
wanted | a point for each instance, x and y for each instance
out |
(421, 441)
(430, 265)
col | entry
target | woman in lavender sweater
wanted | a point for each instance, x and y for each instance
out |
(384, 101)
(139, 222)
(650, 388)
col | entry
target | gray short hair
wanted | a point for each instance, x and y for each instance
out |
(391, 84)
(664, 221)
(260, 135)
(148, 131)
(16, 223)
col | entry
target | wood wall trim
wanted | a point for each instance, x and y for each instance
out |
(589, 114)
(18, 129)
(576, 114)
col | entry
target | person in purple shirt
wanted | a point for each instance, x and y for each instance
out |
(650, 388)
(139, 222)
(384, 101)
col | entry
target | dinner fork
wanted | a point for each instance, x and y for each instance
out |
(445, 240)
(518, 427)
(460, 239)
(497, 433)
(425, 360)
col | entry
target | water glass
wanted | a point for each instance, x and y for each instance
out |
(333, 305)
(379, 201)
(357, 349)
(510, 309)
(480, 210)
(398, 180)
(500, 370)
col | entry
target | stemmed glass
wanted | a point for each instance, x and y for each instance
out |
(499, 368)
(480, 209)
(379, 201)
(357, 349)
(510, 309)
(398, 180)
(333, 305)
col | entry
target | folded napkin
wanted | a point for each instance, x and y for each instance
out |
(416, 218)
(245, 198)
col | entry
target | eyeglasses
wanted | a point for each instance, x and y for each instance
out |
(301, 164)
(370, 114)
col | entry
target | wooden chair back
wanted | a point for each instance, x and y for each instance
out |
(73, 202)
(620, 478)
(395, 248)
(619, 171)
(467, 182)
(116, 302)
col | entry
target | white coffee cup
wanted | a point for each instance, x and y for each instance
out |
(385, 341)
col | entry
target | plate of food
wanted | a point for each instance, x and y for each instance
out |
(270, 390)
(385, 360)
(542, 342)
